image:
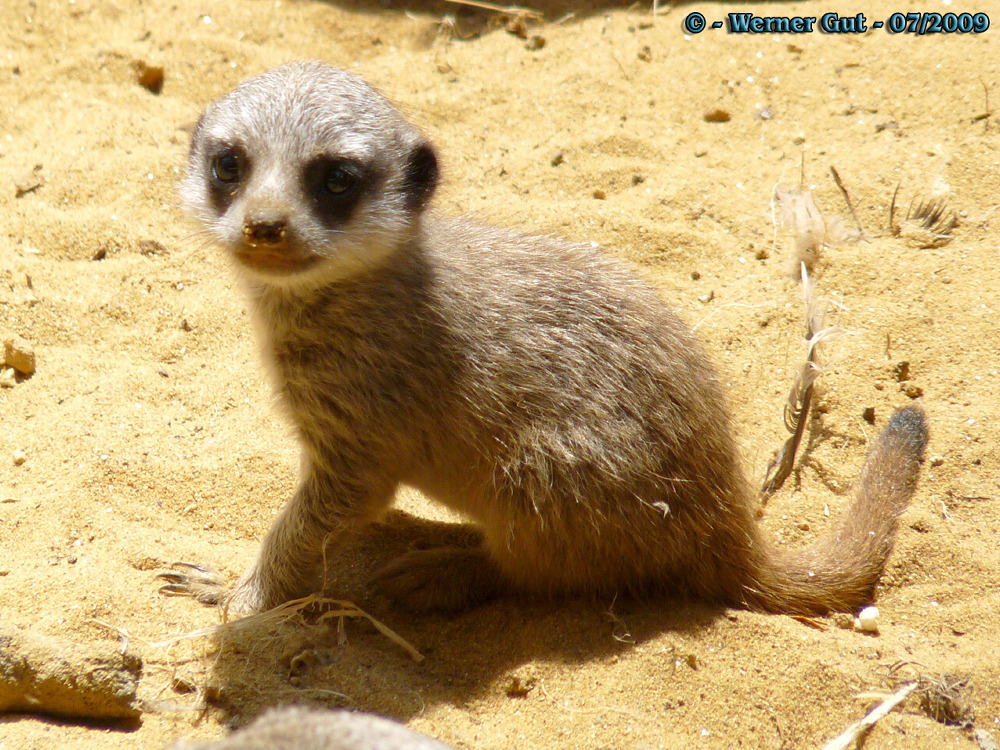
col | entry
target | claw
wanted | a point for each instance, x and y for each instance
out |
(188, 579)
(177, 588)
(191, 566)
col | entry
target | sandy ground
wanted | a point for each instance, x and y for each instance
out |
(150, 434)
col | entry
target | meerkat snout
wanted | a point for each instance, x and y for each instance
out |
(264, 231)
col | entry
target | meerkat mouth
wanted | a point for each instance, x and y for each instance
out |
(273, 260)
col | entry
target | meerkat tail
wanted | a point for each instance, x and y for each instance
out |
(840, 572)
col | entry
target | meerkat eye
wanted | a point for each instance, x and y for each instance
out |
(335, 185)
(226, 167)
(339, 181)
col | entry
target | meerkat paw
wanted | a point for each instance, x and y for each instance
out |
(195, 581)
(205, 585)
(440, 579)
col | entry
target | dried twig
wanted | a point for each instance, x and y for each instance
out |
(281, 613)
(800, 397)
(985, 115)
(847, 198)
(811, 232)
(934, 215)
(857, 730)
(123, 635)
(930, 223)
(892, 213)
(510, 10)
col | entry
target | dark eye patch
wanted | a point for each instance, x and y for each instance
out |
(335, 185)
(228, 168)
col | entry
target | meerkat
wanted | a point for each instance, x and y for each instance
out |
(537, 386)
(301, 728)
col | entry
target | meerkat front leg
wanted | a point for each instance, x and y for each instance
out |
(321, 510)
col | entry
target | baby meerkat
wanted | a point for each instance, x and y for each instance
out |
(537, 386)
(301, 728)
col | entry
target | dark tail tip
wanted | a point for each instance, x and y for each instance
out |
(908, 426)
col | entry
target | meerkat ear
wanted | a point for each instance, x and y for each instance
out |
(421, 175)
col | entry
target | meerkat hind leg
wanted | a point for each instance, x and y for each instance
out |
(445, 579)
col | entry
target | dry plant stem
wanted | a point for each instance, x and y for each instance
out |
(796, 410)
(857, 730)
(847, 198)
(123, 635)
(781, 465)
(284, 611)
(344, 609)
(509, 9)
(892, 213)
(986, 114)
(934, 215)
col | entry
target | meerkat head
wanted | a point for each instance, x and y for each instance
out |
(307, 173)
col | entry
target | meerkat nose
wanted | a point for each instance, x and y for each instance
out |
(261, 231)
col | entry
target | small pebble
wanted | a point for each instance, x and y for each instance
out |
(843, 620)
(717, 115)
(7, 379)
(867, 620)
(150, 77)
(19, 354)
(19, 457)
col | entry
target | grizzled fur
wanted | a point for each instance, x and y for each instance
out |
(300, 728)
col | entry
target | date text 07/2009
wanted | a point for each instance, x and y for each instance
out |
(832, 23)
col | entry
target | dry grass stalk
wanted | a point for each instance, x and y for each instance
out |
(847, 198)
(943, 697)
(800, 396)
(857, 730)
(943, 700)
(929, 224)
(284, 612)
(510, 10)
(811, 232)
